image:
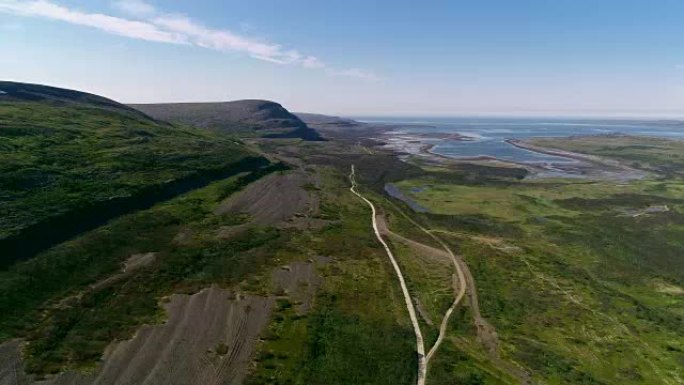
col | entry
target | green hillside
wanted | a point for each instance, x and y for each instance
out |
(69, 161)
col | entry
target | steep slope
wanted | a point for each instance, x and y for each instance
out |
(69, 161)
(260, 117)
(24, 92)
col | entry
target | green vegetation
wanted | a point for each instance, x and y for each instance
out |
(67, 156)
(513, 202)
(65, 160)
(460, 362)
(573, 275)
(357, 331)
(582, 279)
(49, 299)
(355, 349)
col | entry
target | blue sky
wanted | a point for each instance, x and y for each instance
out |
(352, 57)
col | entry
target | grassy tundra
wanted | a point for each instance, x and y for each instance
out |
(573, 273)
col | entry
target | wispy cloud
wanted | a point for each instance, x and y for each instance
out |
(115, 25)
(222, 40)
(135, 8)
(151, 24)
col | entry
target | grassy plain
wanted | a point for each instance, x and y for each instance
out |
(582, 279)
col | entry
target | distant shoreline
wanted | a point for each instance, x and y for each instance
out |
(562, 153)
(568, 163)
(427, 150)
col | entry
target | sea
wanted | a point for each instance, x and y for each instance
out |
(488, 135)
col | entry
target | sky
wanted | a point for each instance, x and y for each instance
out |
(359, 57)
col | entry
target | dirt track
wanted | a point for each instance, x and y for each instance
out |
(380, 226)
(207, 340)
(420, 345)
(460, 278)
(439, 256)
(463, 284)
(486, 333)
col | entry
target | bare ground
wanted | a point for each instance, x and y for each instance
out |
(269, 200)
(276, 200)
(11, 367)
(184, 236)
(137, 261)
(208, 339)
(299, 280)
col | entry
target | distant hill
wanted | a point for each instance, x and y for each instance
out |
(339, 128)
(70, 161)
(328, 121)
(260, 117)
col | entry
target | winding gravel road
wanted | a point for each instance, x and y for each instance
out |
(420, 345)
(423, 360)
(486, 333)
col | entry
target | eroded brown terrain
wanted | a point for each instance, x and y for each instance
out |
(207, 339)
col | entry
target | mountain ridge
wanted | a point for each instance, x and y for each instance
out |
(258, 117)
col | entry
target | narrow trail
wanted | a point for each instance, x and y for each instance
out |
(485, 331)
(463, 278)
(420, 345)
(460, 282)
(461, 292)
